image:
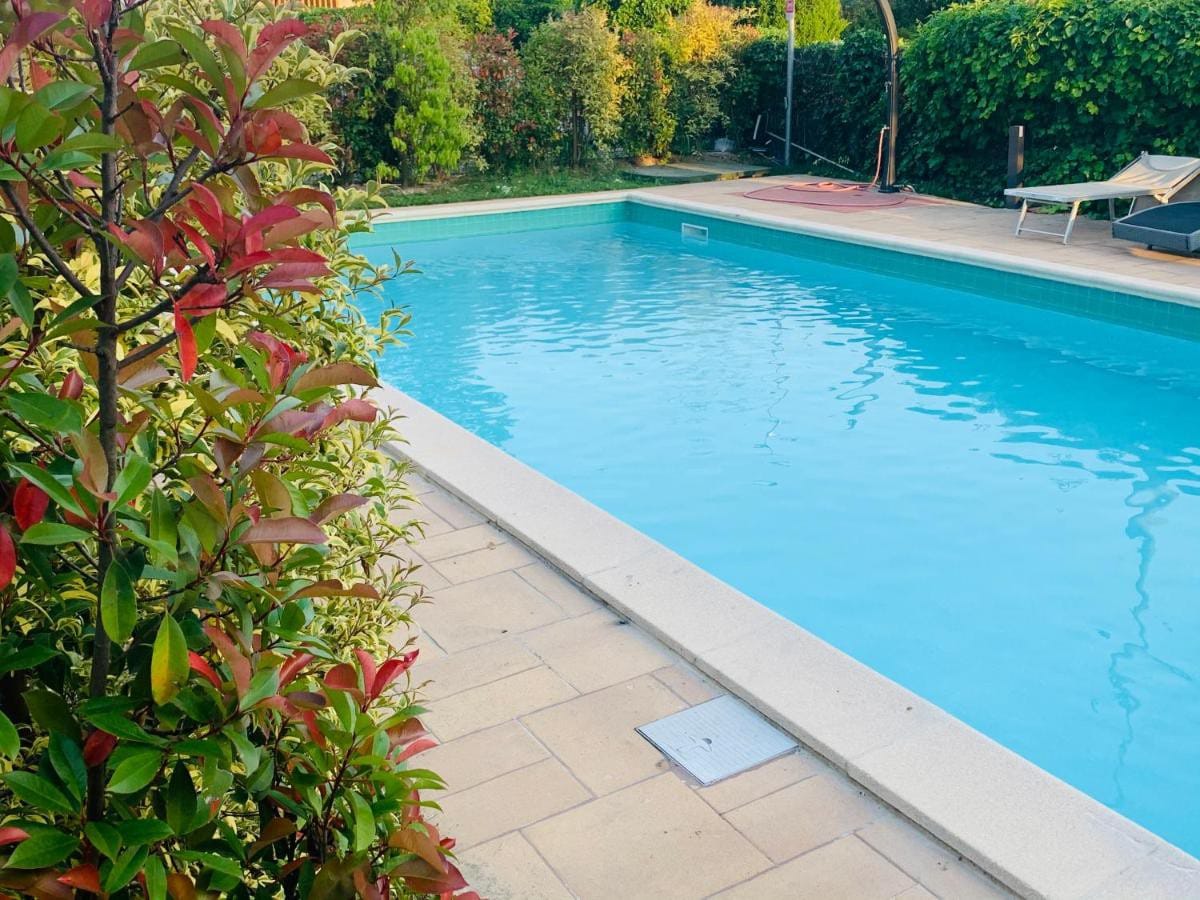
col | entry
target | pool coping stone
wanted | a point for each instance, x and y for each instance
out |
(1028, 829)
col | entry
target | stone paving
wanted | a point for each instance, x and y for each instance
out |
(964, 225)
(535, 689)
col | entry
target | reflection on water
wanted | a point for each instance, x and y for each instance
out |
(941, 484)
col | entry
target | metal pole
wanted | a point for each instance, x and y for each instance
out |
(1016, 162)
(790, 12)
(887, 177)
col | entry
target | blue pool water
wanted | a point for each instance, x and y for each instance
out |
(994, 504)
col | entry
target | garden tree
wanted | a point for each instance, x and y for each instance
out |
(816, 20)
(193, 494)
(704, 41)
(499, 114)
(639, 14)
(573, 76)
(404, 107)
(647, 125)
(523, 16)
(430, 126)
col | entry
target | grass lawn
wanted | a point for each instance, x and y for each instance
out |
(496, 185)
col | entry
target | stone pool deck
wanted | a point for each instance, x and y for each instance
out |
(536, 688)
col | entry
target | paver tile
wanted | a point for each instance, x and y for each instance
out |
(761, 781)
(508, 868)
(929, 862)
(479, 563)
(692, 686)
(485, 610)
(464, 540)
(483, 755)
(805, 815)
(596, 650)
(573, 599)
(594, 734)
(847, 869)
(474, 667)
(499, 701)
(451, 510)
(508, 802)
(655, 839)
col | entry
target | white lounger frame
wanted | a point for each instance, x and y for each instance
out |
(1066, 235)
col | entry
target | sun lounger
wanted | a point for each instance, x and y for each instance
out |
(1157, 177)
(1175, 226)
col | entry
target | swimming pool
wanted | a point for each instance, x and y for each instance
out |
(991, 502)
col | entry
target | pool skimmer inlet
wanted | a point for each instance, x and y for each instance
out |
(717, 739)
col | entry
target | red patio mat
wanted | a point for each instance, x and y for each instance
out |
(839, 196)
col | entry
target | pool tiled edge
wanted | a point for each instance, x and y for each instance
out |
(1034, 833)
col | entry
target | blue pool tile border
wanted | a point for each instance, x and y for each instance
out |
(408, 231)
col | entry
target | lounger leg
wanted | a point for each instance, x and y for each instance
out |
(1021, 218)
(1071, 220)
(1112, 209)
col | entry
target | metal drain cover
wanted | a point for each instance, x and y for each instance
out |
(717, 739)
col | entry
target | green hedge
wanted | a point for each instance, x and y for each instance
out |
(1095, 82)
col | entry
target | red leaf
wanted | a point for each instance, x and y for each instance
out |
(416, 747)
(226, 34)
(425, 879)
(314, 728)
(187, 345)
(200, 666)
(283, 530)
(203, 299)
(12, 835)
(297, 150)
(309, 195)
(391, 670)
(85, 877)
(355, 409)
(72, 386)
(367, 664)
(234, 658)
(272, 215)
(273, 40)
(27, 30)
(29, 504)
(95, 12)
(97, 747)
(342, 677)
(293, 666)
(8, 558)
(335, 505)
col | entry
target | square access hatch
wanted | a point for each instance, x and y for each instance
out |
(718, 739)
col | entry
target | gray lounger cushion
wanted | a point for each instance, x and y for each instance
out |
(1174, 226)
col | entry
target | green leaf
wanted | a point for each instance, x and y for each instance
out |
(222, 864)
(43, 848)
(156, 879)
(93, 141)
(136, 832)
(181, 799)
(40, 792)
(51, 711)
(193, 44)
(119, 726)
(8, 273)
(48, 483)
(286, 90)
(68, 764)
(124, 868)
(364, 822)
(58, 160)
(157, 53)
(37, 127)
(25, 658)
(135, 772)
(104, 837)
(63, 94)
(44, 411)
(118, 605)
(132, 479)
(10, 741)
(169, 661)
(49, 534)
(265, 683)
